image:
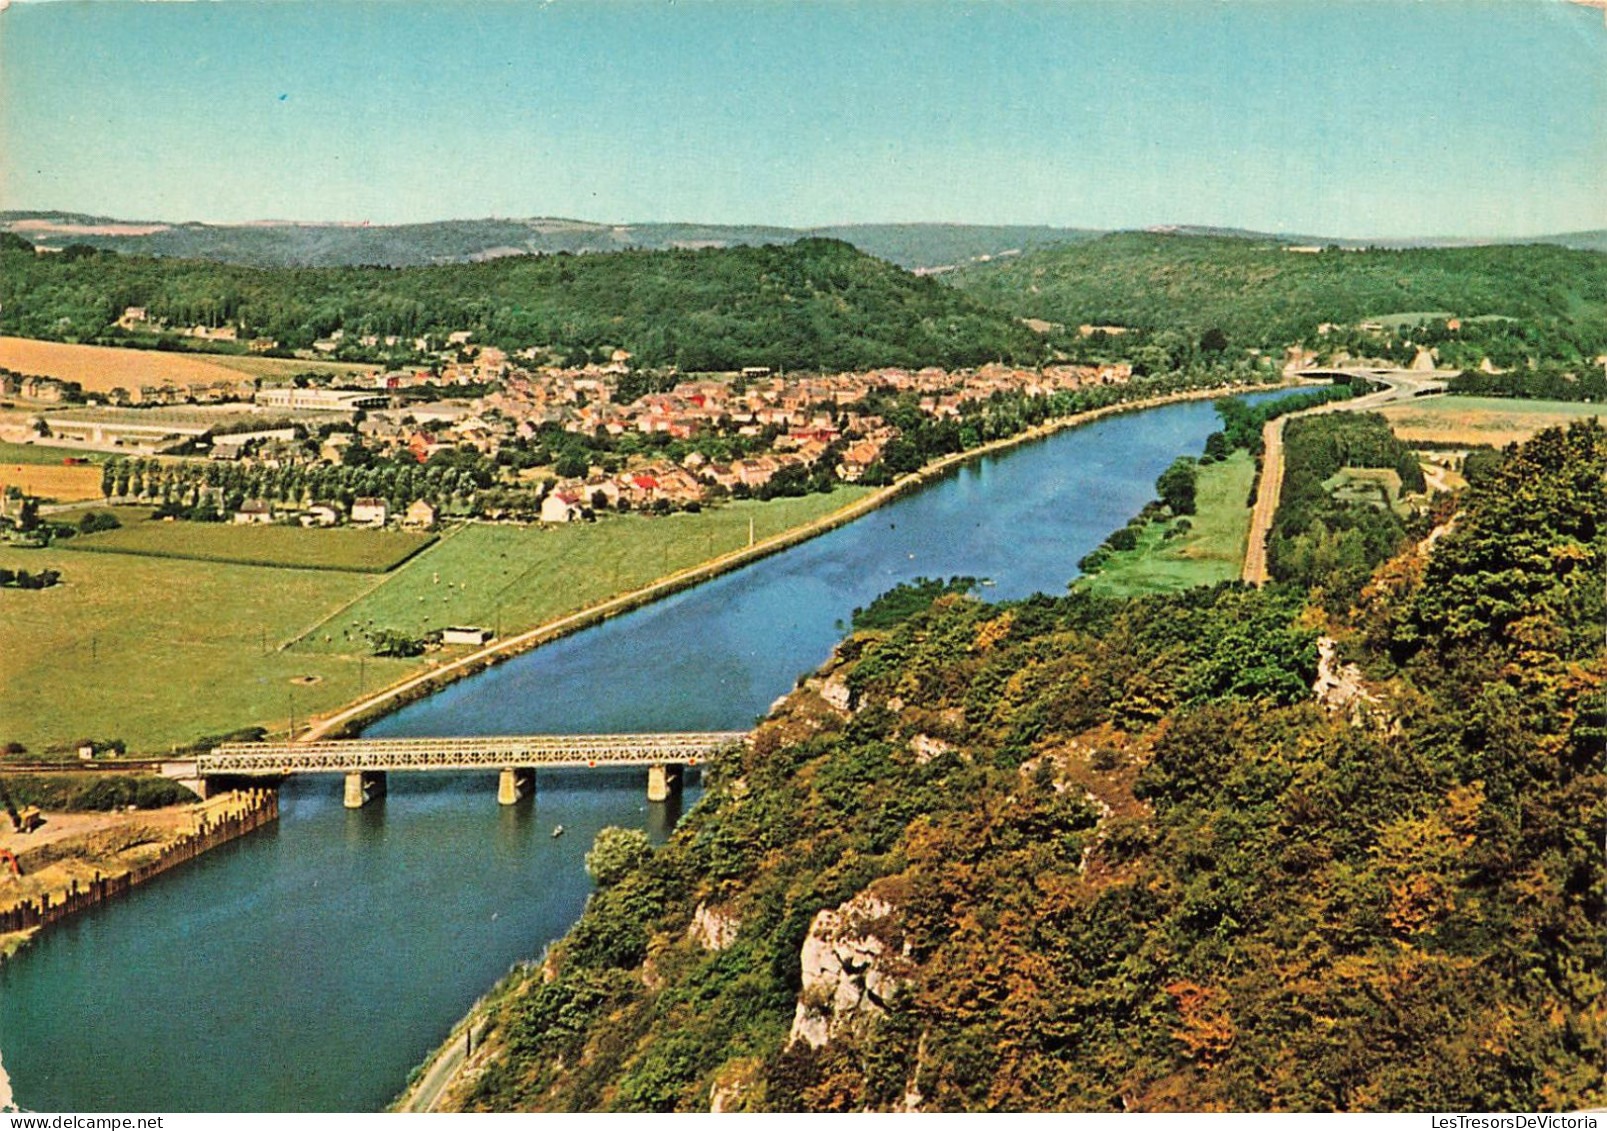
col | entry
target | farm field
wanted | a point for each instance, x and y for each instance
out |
(285, 547)
(44, 454)
(1497, 421)
(160, 651)
(51, 482)
(519, 577)
(99, 369)
(1211, 551)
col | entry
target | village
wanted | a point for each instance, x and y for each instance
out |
(564, 443)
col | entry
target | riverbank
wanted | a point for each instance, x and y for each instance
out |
(359, 714)
(317, 921)
(76, 861)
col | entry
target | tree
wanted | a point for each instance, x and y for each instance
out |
(616, 853)
(1176, 486)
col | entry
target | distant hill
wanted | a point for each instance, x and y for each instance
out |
(1579, 241)
(1268, 292)
(813, 303)
(284, 244)
(915, 247)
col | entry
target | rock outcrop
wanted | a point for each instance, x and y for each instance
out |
(854, 961)
(1339, 686)
(714, 928)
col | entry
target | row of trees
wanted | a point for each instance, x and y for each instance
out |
(1543, 382)
(210, 490)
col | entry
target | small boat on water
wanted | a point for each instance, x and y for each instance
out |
(557, 832)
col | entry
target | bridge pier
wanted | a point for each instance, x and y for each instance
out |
(516, 782)
(198, 786)
(663, 779)
(362, 786)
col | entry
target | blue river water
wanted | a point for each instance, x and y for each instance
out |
(312, 965)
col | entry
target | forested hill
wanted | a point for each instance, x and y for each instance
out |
(1262, 294)
(283, 244)
(1075, 854)
(816, 304)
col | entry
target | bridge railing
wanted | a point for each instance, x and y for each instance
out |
(469, 752)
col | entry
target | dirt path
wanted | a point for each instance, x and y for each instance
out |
(426, 1093)
(1401, 386)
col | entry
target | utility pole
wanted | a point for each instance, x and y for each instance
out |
(750, 531)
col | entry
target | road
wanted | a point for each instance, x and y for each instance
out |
(442, 1071)
(1401, 385)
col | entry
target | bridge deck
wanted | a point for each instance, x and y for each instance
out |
(463, 753)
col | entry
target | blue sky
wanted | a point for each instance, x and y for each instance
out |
(1365, 118)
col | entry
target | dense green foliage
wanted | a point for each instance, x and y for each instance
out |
(1242, 422)
(1129, 864)
(1544, 383)
(615, 854)
(98, 792)
(816, 304)
(1176, 485)
(1260, 295)
(906, 599)
(1323, 541)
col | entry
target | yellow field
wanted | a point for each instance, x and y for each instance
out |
(99, 369)
(52, 481)
(1497, 421)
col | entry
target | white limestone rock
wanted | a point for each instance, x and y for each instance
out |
(714, 928)
(853, 963)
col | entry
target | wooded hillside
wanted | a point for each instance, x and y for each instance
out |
(814, 304)
(1082, 854)
(1260, 294)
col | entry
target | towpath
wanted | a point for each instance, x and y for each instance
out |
(1399, 385)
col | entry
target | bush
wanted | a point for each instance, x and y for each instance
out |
(616, 853)
(94, 522)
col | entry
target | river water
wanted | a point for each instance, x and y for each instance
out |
(310, 966)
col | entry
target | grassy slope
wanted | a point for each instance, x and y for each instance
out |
(158, 651)
(1257, 292)
(520, 577)
(291, 547)
(1212, 551)
(44, 454)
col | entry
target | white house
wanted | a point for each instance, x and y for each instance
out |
(465, 635)
(560, 506)
(369, 511)
(320, 514)
(254, 512)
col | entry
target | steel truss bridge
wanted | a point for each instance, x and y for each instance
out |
(528, 751)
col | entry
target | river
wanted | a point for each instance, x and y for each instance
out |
(310, 966)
